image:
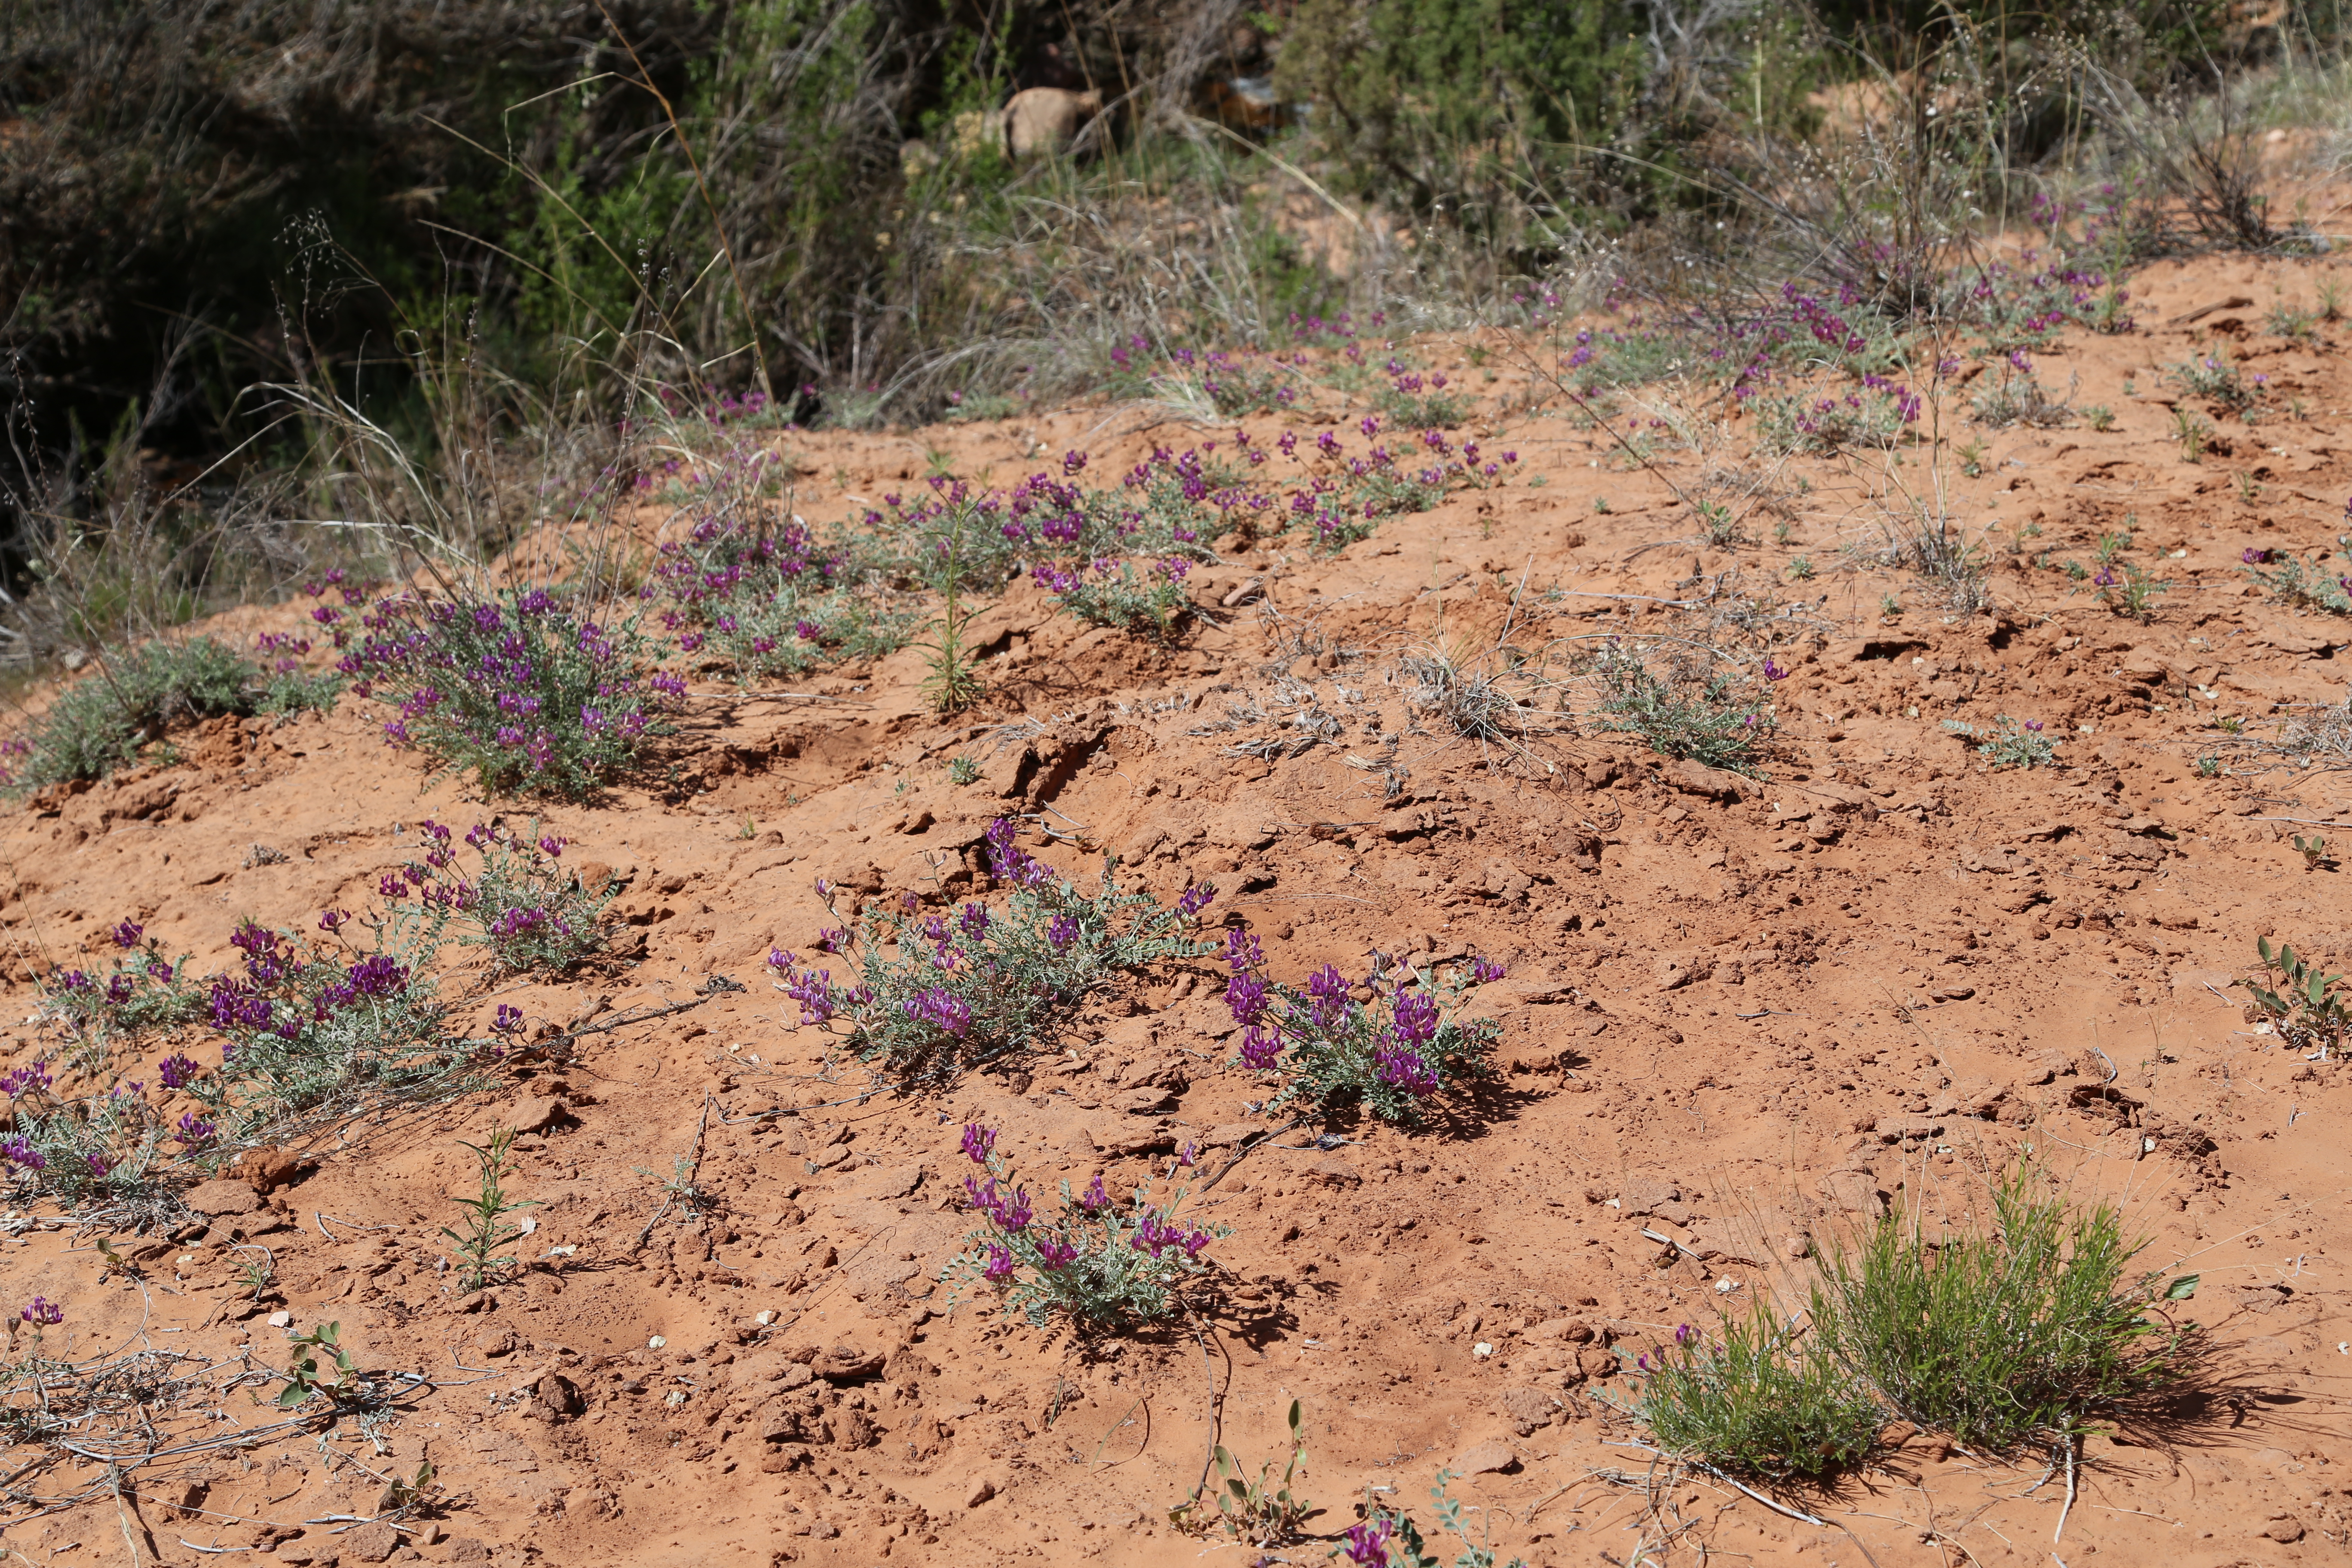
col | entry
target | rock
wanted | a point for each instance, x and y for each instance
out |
(1046, 120)
(2283, 1530)
(1674, 974)
(1529, 1408)
(1796, 1246)
(1697, 778)
(1855, 1191)
(221, 1197)
(475, 1301)
(368, 1544)
(843, 1365)
(467, 1549)
(1145, 1101)
(189, 1500)
(886, 1183)
(536, 1113)
(557, 1398)
(270, 1169)
(853, 1429)
(1597, 1362)
(1493, 1457)
(1332, 1171)
(981, 1491)
(1646, 1195)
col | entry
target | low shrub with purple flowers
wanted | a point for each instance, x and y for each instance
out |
(521, 904)
(1109, 594)
(97, 1149)
(755, 592)
(1099, 1266)
(951, 990)
(523, 691)
(1392, 1054)
(1390, 1538)
(2301, 585)
(1874, 413)
(322, 1028)
(139, 994)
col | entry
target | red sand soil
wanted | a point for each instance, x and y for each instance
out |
(1734, 1017)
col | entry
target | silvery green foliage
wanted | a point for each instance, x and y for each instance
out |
(1097, 1265)
(951, 990)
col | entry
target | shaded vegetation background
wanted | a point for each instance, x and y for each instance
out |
(446, 220)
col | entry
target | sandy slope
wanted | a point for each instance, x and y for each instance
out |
(1733, 1018)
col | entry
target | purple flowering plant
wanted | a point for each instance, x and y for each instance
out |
(1096, 1267)
(937, 994)
(2298, 584)
(530, 691)
(140, 994)
(531, 910)
(91, 1148)
(1390, 1055)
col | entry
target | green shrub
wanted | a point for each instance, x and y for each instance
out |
(103, 721)
(1686, 711)
(1446, 103)
(2010, 744)
(2032, 1330)
(2304, 585)
(1757, 1401)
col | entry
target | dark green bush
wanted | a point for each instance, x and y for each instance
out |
(1451, 103)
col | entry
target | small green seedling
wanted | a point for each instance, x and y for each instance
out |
(1259, 1512)
(962, 770)
(256, 1274)
(486, 1227)
(2303, 1005)
(1601, 505)
(1801, 569)
(2313, 849)
(2209, 766)
(302, 1375)
(1890, 605)
(402, 1493)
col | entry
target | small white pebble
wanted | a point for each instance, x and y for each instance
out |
(764, 1319)
(1482, 1349)
(656, 1343)
(281, 1320)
